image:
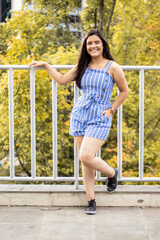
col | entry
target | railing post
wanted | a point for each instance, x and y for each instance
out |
(33, 123)
(11, 123)
(54, 127)
(76, 153)
(141, 122)
(119, 141)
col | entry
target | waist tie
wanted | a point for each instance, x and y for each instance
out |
(88, 100)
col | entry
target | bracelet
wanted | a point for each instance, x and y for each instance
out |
(113, 110)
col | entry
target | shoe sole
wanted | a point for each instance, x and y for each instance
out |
(111, 191)
(90, 212)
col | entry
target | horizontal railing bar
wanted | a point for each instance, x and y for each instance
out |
(25, 67)
(60, 179)
(80, 179)
(140, 67)
(134, 179)
(145, 179)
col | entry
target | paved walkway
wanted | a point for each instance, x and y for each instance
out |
(67, 223)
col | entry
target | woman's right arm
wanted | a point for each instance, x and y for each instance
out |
(61, 79)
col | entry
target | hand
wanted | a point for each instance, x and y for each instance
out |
(107, 112)
(37, 64)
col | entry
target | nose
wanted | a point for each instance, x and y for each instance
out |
(93, 45)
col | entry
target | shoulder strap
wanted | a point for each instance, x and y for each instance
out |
(108, 65)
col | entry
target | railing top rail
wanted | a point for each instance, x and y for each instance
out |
(23, 67)
(124, 67)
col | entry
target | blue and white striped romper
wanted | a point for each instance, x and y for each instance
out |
(96, 89)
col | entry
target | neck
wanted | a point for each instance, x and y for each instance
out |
(97, 60)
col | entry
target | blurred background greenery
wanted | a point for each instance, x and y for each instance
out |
(52, 31)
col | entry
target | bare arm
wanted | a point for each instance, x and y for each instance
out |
(118, 76)
(61, 79)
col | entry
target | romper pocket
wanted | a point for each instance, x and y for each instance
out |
(107, 120)
(105, 117)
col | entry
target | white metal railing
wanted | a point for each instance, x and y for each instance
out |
(76, 177)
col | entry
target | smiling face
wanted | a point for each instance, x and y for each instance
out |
(94, 46)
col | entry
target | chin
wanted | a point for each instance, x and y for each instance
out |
(95, 55)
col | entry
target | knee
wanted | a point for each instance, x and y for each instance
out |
(85, 157)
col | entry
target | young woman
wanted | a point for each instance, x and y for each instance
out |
(90, 123)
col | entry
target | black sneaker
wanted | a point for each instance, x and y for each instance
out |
(112, 182)
(91, 207)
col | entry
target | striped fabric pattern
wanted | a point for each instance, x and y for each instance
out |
(96, 90)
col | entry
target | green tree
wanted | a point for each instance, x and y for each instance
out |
(40, 34)
(44, 28)
(98, 14)
(135, 41)
(43, 114)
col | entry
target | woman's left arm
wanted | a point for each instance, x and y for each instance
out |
(118, 75)
(119, 78)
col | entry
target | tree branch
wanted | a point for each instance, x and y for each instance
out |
(155, 126)
(110, 18)
(95, 18)
(101, 15)
(24, 169)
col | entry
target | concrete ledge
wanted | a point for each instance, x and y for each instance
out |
(67, 195)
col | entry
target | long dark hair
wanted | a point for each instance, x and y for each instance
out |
(85, 58)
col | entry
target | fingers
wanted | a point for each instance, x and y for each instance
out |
(107, 113)
(104, 112)
(33, 64)
(36, 64)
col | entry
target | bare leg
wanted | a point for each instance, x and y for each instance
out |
(88, 149)
(88, 174)
(89, 181)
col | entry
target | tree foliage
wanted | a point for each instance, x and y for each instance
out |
(98, 14)
(43, 33)
(135, 41)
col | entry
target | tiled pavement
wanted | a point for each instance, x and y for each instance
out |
(71, 223)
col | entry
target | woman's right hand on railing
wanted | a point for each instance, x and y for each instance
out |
(57, 76)
(37, 64)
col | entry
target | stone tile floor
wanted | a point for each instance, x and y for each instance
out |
(71, 223)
